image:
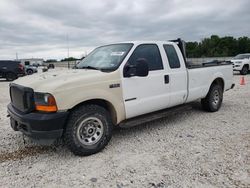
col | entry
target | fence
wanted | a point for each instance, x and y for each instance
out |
(64, 64)
(208, 59)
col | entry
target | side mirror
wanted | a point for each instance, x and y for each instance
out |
(139, 69)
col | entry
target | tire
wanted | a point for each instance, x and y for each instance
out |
(244, 70)
(88, 130)
(29, 71)
(214, 98)
(10, 76)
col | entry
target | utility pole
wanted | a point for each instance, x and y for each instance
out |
(16, 56)
(68, 50)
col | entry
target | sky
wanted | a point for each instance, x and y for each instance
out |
(48, 28)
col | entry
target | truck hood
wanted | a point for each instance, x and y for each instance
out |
(56, 80)
(238, 60)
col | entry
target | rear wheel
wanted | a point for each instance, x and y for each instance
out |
(29, 71)
(213, 100)
(244, 70)
(88, 130)
(10, 76)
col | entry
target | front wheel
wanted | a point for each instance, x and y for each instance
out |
(88, 130)
(10, 76)
(213, 100)
(244, 70)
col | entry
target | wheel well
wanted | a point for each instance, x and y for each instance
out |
(9, 72)
(218, 81)
(246, 65)
(103, 103)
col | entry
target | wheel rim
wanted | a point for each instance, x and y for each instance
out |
(216, 98)
(29, 72)
(10, 76)
(90, 131)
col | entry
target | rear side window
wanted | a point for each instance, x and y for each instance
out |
(151, 53)
(173, 58)
(6, 63)
(3, 63)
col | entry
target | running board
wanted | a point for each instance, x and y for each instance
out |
(153, 116)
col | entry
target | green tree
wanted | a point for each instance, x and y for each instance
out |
(50, 60)
(69, 59)
(216, 46)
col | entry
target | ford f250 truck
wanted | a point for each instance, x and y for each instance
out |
(113, 85)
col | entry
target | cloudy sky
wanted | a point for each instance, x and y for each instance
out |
(39, 28)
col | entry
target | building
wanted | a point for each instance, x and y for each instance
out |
(32, 61)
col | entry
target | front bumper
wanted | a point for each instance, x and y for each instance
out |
(38, 125)
(237, 67)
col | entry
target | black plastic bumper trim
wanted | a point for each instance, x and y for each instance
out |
(38, 125)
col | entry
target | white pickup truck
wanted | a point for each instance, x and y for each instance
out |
(241, 63)
(113, 85)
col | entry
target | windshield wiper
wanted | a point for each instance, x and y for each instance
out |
(95, 68)
(90, 67)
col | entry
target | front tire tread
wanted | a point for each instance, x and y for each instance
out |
(85, 111)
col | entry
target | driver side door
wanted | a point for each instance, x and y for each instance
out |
(146, 94)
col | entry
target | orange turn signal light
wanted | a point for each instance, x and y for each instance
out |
(46, 108)
(50, 106)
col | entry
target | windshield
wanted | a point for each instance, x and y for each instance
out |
(241, 56)
(106, 57)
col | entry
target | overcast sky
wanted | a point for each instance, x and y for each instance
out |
(39, 28)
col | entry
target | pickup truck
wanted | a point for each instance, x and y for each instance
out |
(241, 63)
(113, 85)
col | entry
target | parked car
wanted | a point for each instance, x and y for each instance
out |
(45, 69)
(29, 69)
(51, 66)
(115, 85)
(11, 70)
(241, 63)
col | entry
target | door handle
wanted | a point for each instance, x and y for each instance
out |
(166, 79)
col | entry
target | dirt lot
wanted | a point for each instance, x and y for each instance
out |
(190, 149)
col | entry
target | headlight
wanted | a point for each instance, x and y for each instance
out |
(238, 62)
(45, 102)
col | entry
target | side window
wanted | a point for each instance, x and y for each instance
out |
(173, 58)
(2, 64)
(151, 53)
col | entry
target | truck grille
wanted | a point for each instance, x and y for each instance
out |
(22, 98)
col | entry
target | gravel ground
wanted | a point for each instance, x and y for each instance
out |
(189, 149)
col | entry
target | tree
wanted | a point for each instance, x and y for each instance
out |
(69, 59)
(50, 60)
(216, 46)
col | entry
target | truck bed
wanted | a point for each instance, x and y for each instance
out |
(202, 75)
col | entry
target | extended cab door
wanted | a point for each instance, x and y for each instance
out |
(146, 94)
(177, 75)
